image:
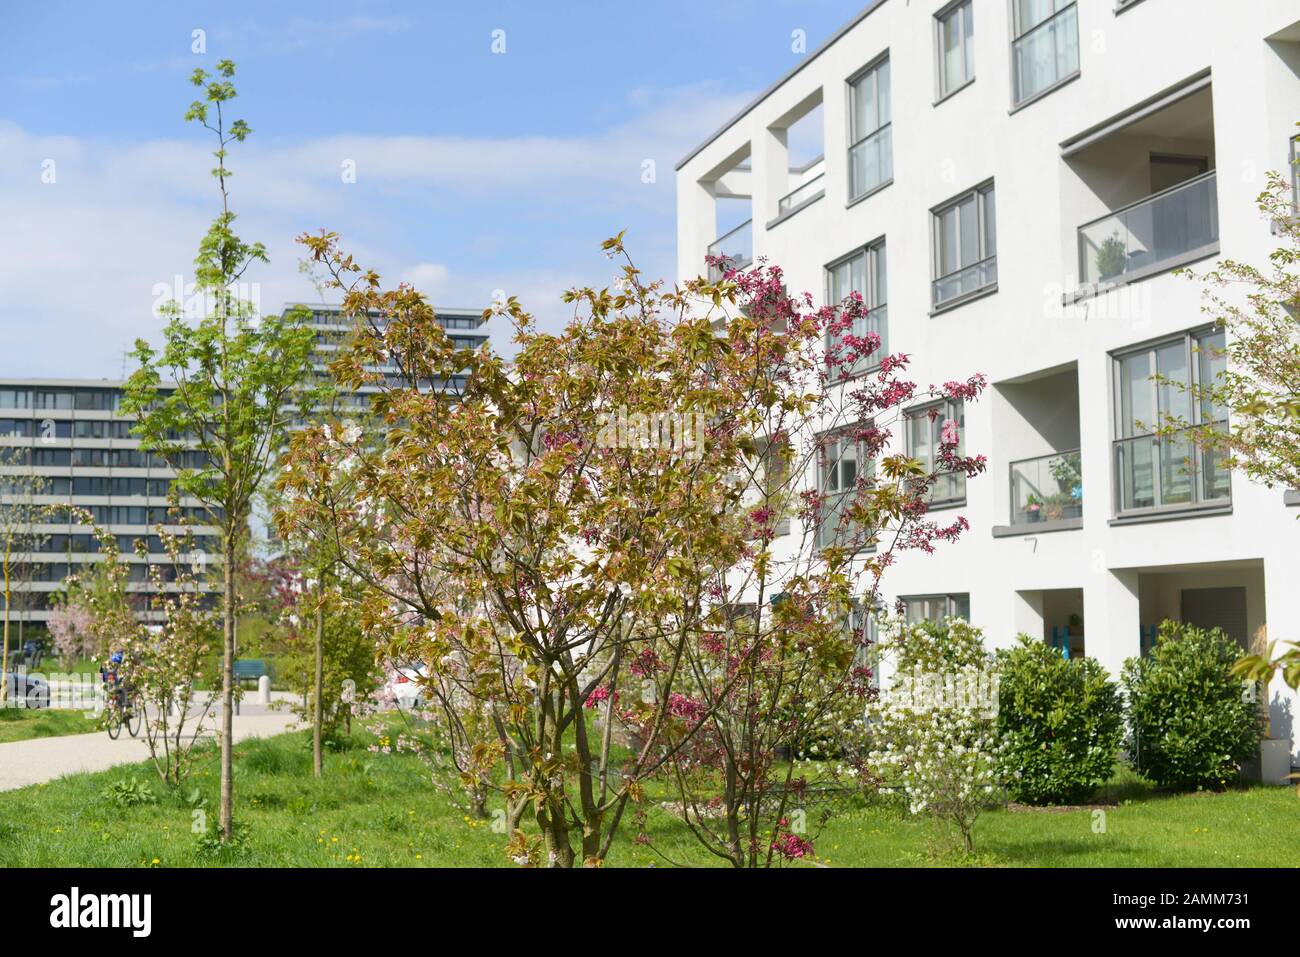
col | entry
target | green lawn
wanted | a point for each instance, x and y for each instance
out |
(381, 810)
(19, 724)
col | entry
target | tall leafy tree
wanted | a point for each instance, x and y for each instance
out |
(234, 380)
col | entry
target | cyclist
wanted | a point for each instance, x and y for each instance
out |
(108, 673)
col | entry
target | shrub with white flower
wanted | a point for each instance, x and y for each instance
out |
(935, 727)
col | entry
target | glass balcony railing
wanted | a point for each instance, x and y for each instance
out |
(1047, 54)
(1046, 489)
(871, 162)
(874, 320)
(809, 191)
(1145, 236)
(964, 282)
(1169, 471)
(737, 247)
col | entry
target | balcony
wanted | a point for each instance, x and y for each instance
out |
(800, 197)
(736, 246)
(1045, 489)
(1169, 473)
(871, 163)
(1172, 227)
(873, 320)
(959, 284)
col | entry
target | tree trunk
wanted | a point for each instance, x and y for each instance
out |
(318, 708)
(228, 687)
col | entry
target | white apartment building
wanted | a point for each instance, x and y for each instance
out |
(1010, 184)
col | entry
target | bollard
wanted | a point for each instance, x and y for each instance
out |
(264, 690)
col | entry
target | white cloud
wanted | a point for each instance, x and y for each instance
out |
(458, 217)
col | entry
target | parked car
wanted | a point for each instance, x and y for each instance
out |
(33, 691)
(403, 686)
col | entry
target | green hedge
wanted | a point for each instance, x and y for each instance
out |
(1060, 721)
(1190, 725)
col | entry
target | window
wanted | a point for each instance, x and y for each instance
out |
(935, 608)
(965, 246)
(860, 627)
(863, 273)
(15, 399)
(1154, 385)
(871, 163)
(1046, 47)
(842, 458)
(1295, 173)
(924, 433)
(955, 32)
(54, 400)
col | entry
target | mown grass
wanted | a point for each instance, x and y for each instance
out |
(381, 810)
(21, 724)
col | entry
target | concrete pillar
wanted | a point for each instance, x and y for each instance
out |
(1111, 617)
(771, 175)
(697, 226)
(1282, 621)
(1027, 614)
(264, 690)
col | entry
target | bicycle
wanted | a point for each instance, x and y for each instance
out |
(124, 712)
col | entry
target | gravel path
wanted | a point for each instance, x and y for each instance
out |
(44, 759)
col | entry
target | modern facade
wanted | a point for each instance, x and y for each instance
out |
(71, 434)
(1010, 185)
(464, 328)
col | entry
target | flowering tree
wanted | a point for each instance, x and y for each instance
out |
(936, 726)
(71, 627)
(566, 541)
(163, 654)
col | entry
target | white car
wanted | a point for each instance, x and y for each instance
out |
(403, 687)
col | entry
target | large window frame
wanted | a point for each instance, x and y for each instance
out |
(834, 483)
(948, 221)
(1064, 18)
(961, 12)
(865, 271)
(935, 607)
(949, 490)
(878, 138)
(1198, 350)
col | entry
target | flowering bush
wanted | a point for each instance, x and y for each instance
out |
(1060, 722)
(935, 728)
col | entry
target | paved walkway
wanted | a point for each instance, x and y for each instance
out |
(44, 759)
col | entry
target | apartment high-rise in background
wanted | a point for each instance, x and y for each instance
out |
(1010, 185)
(71, 434)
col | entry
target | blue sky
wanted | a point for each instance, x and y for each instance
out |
(475, 171)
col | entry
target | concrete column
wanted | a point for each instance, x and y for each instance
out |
(1282, 619)
(264, 690)
(771, 176)
(1027, 614)
(697, 226)
(1111, 617)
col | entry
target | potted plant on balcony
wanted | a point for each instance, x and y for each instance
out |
(1033, 509)
(1111, 257)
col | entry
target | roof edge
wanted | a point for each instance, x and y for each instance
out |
(788, 75)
